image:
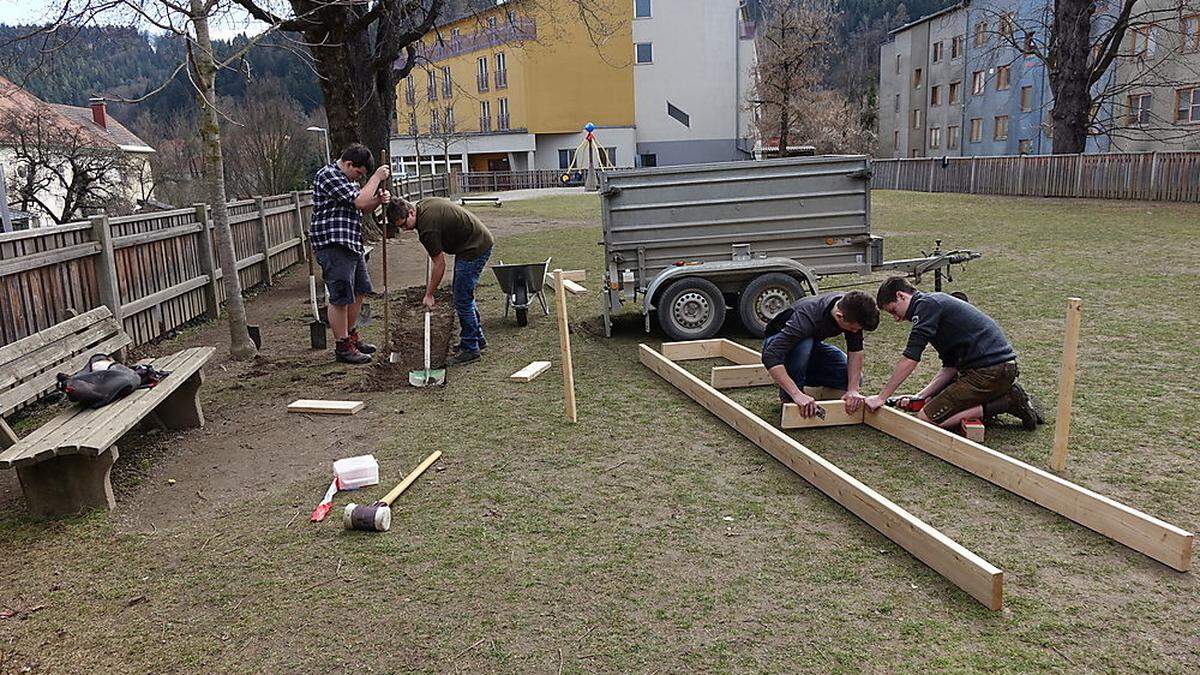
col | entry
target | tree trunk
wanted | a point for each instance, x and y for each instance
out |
(240, 345)
(1069, 72)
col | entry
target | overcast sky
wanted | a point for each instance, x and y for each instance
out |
(39, 11)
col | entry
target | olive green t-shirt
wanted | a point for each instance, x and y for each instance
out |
(443, 226)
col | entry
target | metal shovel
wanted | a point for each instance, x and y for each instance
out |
(427, 377)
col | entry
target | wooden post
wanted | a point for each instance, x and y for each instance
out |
(974, 162)
(1078, 175)
(208, 264)
(298, 224)
(1021, 175)
(106, 267)
(1066, 384)
(1152, 188)
(564, 343)
(264, 239)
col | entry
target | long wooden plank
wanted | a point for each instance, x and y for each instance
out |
(835, 416)
(734, 377)
(125, 241)
(740, 354)
(530, 371)
(974, 575)
(142, 304)
(570, 286)
(1158, 539)
(314, 406)
(50, 355)
(47, 258)
(33, 387)
(691, 350)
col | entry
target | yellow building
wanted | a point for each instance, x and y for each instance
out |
(512, 87)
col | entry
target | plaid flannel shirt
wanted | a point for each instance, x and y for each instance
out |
(335, 219)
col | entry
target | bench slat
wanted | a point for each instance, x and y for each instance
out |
(30, 389)
(55, 352)
(16, 350)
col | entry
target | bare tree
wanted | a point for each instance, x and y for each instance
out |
(792, 59)
(1082, 45)
(63, 169)
(269, 151)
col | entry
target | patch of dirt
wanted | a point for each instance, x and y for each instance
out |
(408, 337)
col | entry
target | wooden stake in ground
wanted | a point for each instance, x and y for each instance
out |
(1066, 384)
(564, 342)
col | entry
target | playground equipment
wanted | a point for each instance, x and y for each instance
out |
(597, 158)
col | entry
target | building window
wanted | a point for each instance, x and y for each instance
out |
(896, 105)
(937, 52)
(485, 116)
(502, 121)
(481, 76)
(1145, 40)
(447, 82)
(1024, 146)
(501, 71)
(952, 137)
(412, 124)
(1000, 133)
(977, 82)
(680, 116)
(512, 16)
(647, 159)
(644, 52)
(449, 119)
(410, 90)
(917, 75)
(935, 95)
(1007, 26)
(898, 70)
(916, 118)
(1003, 75)
(976, 129)
(434, 122)
(1191, 34)
(641, 9)
(1026, 99)
(896, 140)
(1187, 105)
(564, 159)
(611, 153)
(491, 23)
(955, 93)
(956, 46)
(431, 86)
(981, 34)
(935, 137)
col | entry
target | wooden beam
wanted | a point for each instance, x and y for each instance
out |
(317, 406)
(692, 350)
(1162, 541)
(1066, 384)
(973, 574)
(530, 371)
(571, 287)
(739, 354)
(564, 343)
(835, 416)
(734, 377)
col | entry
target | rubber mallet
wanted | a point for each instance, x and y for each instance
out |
(377, 517)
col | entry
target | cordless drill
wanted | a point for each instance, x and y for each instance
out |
(906, 403)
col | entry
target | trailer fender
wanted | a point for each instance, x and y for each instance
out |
(722, 268)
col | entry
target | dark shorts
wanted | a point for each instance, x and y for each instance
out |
(971, 387)
(345, 274)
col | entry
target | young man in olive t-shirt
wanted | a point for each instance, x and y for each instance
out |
(444, 227)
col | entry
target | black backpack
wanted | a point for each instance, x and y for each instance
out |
(103, 381)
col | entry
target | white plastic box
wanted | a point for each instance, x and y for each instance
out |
(355, 472)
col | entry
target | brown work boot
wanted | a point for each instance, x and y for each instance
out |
(347, 352)
(364, 347)
(1022, 407)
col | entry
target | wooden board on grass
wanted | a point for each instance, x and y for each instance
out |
(530, 371)
(321, 407)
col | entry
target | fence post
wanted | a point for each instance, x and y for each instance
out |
(1152, 193)
(974, 162)
(264, 239)
(898, 164)
(1021, 175)
(208, 264)
(1079, 175)
(298, 225)
(106, 267)
(930, 186)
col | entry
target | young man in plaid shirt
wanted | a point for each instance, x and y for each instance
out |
(336, 236)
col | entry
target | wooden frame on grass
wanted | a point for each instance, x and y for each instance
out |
(979, 578)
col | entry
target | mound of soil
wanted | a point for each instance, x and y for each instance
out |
(408, 337)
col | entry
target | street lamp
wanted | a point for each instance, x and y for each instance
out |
(324, 135)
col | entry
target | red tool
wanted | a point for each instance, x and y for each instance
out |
(322, 509)
(906, 403)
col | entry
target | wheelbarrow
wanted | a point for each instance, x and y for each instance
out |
(520, 283)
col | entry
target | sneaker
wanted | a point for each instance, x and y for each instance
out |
(1021, 407)
(364, 347)
(347, 352)
(459, 358)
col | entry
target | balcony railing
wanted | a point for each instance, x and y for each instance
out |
(485, 123)
(447, 89)
(481, 81)
(502, 122)
(502, 79)
(431, 94)
(520, 30)
(449, 126)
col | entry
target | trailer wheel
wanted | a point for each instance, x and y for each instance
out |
(764, 297)
(691, 309)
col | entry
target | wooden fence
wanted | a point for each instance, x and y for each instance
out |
(156, 271)
(1160, 176)
(496, 181)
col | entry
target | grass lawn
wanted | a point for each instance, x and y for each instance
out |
(652, 537)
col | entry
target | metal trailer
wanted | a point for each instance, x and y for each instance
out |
(691, 241)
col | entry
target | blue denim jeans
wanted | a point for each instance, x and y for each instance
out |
(466, 277)
(814, 363)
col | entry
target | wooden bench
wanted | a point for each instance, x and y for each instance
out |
(494, 201)
(64, 464)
